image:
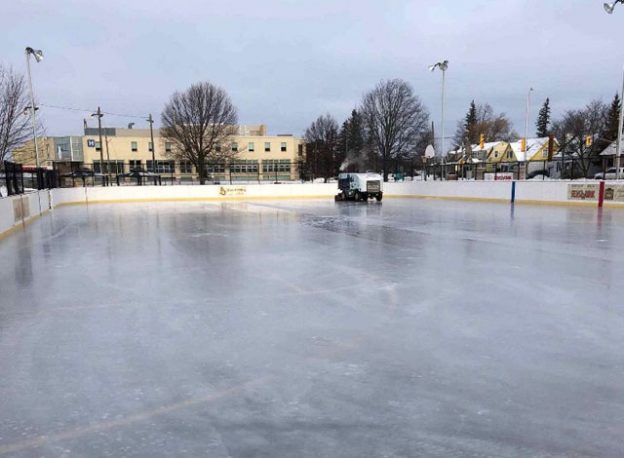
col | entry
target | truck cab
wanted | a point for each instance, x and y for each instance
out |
(360, 186)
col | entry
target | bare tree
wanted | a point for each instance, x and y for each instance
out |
(15, 128)
(322, 154)
(200, 122)
(482, 120)
(395, 120)
(575, 126)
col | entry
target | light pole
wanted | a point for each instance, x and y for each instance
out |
(38, 55)
(609, 7)
(526, 122)
(98, 114)
(151, 122)
(443, 66)
(618, 147)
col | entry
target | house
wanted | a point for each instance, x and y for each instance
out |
(484, 154)
(536, 150)
(608, 155)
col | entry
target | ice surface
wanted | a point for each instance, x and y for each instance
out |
(313, 329)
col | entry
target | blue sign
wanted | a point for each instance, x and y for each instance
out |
(91, 143)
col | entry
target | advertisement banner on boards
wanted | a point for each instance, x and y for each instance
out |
(232, 190)
(614, 193)
(583, 191)
(502, 176)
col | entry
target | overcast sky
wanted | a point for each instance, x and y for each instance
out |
(286, 62)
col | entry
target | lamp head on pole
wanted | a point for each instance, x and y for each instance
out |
(609, 7)
(441, 65)
(36, 53)
(96, 115)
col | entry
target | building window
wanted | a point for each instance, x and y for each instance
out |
(244, 167)
(276, 165)
(215, 168)
(234, 147)
(283, 147)
(135, 165)
(300, 150)
(167, 147)
(251, 147)
(110, 167)
(98, 146)
(150, 147)
(267, 147)
(161, 167)
(186, 167)
(134, 147)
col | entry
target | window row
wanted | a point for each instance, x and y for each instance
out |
(169, 166)
(134, 146)
(251, 147)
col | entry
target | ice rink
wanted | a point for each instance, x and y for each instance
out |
(313, 329)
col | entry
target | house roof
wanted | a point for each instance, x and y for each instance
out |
(610, 150)
(476, 147)
(533, 146)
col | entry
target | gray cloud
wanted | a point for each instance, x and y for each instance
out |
(286, 62)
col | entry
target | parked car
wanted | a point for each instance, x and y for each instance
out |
(610, 174)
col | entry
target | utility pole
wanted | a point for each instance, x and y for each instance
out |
(99, 115)
(108, 162)
(526, 124)
(150, 120)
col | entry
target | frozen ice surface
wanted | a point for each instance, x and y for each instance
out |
(313, 329)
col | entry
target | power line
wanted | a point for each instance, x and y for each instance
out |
(57, 107)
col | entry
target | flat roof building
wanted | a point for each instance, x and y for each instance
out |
(257, 155)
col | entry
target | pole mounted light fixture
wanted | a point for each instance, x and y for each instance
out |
(443, 67)
(36, 53)
(609, 7)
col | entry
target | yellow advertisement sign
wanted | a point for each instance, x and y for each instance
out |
(233, 190)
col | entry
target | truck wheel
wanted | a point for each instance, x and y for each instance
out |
(357, 196)
(379, 197)
(364, 196)
(345, 196)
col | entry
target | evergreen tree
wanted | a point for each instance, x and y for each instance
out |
(609, 132)
(613, 119)
(468, 129)
(543, 120)
(470, 126)
(351, 144)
